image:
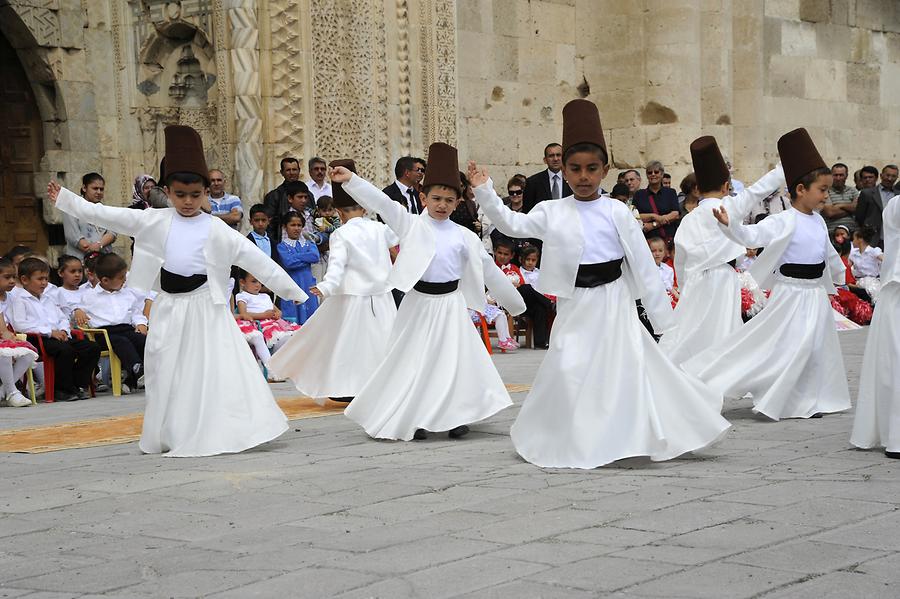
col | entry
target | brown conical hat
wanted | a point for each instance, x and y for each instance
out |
(184, 152)
(341, 198)
(442, 167)
(581, 124)
(709, 166)
(799, 156)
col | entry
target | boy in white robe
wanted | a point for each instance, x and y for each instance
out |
(436, 374)
(709, 308)
(340, 346)
(877, 420)
(788, 356)
(604, 391)
(205, 393)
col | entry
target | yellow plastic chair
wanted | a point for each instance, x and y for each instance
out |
(115, 365)
(23, 337)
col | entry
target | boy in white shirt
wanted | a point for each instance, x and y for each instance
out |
(666, 273)
(33, 312)
(120, 311)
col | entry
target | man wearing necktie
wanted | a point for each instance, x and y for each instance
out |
(409, 172)
(547, 184)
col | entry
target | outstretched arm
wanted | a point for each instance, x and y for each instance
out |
(267, 271)
(750, 236)
(122, 220)
(514, 224)
(374, 200)
(741, 204)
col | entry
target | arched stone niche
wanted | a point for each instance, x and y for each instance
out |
(177, 66)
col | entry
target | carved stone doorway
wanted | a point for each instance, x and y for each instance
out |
(21, 222)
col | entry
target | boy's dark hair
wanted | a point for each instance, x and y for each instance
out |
(16, 251)
(655, 240)
(29, 266)
(807, 180)
(256, 209)
(90, 178)
(64, 261)
(241, 274)
(185, 178)
(528, 250)
(292, 215)
(619, 189)
(869, 169)
(688, 183)
(866, 233)
(406, 163)
(325, 203)
(667, 176)
(90, 261)
(285, 160)
(292, 188)
(6, 263)
(587, 147)
(109, 266)
(505, 243)
(427, 188)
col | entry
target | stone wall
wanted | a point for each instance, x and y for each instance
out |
(666, 71)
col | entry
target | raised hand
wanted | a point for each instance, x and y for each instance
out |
(339, 174)
(477, 175)
(53, 191)
(315, 291)
(721, 215)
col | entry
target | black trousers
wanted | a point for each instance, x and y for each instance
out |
(538, 308)
(74, 360)
(129, 347)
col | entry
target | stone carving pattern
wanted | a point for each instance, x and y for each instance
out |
(286, 108)
(248, 151)
(405, 95)
(439, 87)
(40, 20)
(350, 83)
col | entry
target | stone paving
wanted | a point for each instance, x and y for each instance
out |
(775, 510)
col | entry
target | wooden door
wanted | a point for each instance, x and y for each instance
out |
(21, 221)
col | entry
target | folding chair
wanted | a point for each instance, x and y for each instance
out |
(115, 364)
(30, 373)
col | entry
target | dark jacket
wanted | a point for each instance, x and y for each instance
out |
(869, 207)
(537, 189)
(393, 192)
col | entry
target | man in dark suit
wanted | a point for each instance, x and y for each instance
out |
(871, 202)
(548, 184)
(276, 201)
(409, 172)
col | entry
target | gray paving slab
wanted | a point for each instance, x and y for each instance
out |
(782, 509)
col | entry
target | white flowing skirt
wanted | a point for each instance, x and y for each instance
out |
(605, 391)
(336, 351)
(708, 310)
(787, 356)
(877, 421)
(205, 393)
(436, 374)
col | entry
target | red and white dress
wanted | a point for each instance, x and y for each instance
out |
(275, 331)
(14, 348)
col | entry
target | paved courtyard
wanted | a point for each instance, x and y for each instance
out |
(775, 510)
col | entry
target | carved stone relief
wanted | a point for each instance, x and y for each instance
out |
(439, 86)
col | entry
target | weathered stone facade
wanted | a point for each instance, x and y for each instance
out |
(376, 79)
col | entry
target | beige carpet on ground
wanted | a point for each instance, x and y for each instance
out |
(125, 429)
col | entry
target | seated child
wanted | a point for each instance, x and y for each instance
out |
(495, 315)
(90, 261)
(70, 292)
(15, 356)
(259, 235)
(296, 254)
(666, 273)
(120, 311)
(36, 314)
(258, 307)
(326, 221)
(746, 261)
(865, 261)
(839, 236)
(537, 306)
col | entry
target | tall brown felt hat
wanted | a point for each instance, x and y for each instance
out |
(581, 124)
(799, 156)
(342, 199)
(709, 166)
(184, 152)
(443, 167)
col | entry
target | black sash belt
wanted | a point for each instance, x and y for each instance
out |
(802, 271)
(436, 288)
(594, 275)
(172, 283)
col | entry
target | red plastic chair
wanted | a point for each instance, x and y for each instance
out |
(485, 335)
